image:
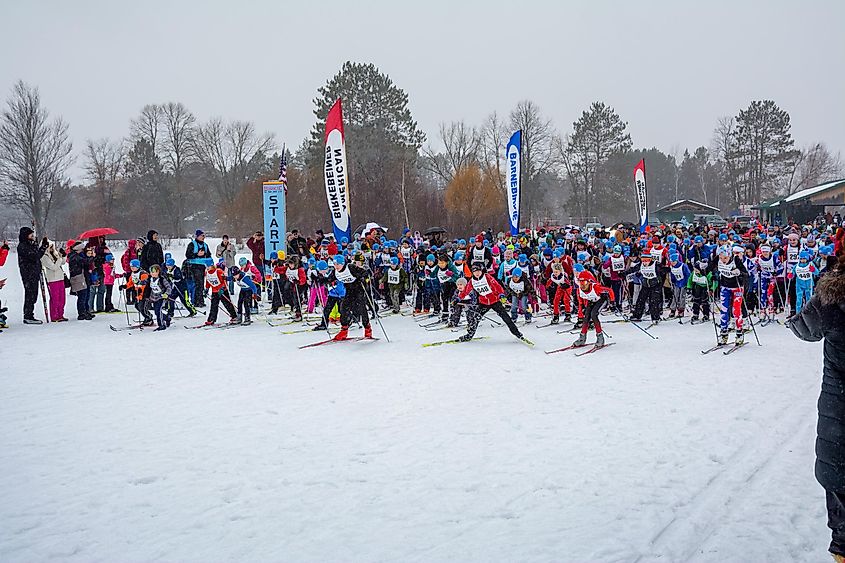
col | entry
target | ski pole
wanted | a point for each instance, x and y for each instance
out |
(644, 330)
(713, 315)
(753, 329)
(378, 318)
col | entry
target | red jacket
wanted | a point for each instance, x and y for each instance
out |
(257, 248)
(128, 255)
(487, 293)
(215, 280)
(3, 253)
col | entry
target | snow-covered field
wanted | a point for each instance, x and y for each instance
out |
(233, 445)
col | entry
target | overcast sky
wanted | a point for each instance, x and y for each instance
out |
(670, 68)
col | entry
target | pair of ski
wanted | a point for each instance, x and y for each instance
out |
(138, 326)
(215, 325)
(333, 341)
(594, 348)
(459, 341)
(731, 348)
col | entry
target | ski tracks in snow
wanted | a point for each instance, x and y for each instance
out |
(693, 523)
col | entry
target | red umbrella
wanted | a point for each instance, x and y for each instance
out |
(99, 232)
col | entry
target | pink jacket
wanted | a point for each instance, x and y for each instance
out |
(108, 274)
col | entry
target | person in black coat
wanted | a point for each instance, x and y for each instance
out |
(29, 263)
(153, 253)
(824, 318)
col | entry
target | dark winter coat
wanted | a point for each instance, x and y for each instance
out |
(153, 253)
(29, 256)
(824, 318)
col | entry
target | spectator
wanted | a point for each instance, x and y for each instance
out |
(823, 318)
(29, 263)
(54, 274)
(198, 256)
(153, 252)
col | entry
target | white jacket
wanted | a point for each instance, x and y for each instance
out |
(53, 270)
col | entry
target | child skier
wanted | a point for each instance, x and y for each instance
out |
(336, 290)
(246, 289)
(699, 283)
(447, 275)
(459, 305)
(680, 274)
(353, 304)
(490, 295)
(769, 268)
(594, 297)
(108, 279)
(296, 280)
(731, 275)
(215, 280)
(519, 289)
(651, 292)
(157, 292)
(135, 286)
(804, 273)
(395, 280)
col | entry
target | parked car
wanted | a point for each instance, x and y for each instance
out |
(711, 220)
(744, 221)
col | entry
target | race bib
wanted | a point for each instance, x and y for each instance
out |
(677, 272)
(803, 273)
(481, 286)
(649, 272)
(444, 276)
(618, 264)
(517, 287)
(767, 266)
(657, 253)
(212, 279)
(508, 267)
(589, 295)
(345, 276)
(792, 253)
(478, 255)
(393, 276)
(728, 270)
(292, 275)
(136, 277)
(406, 253)
(699, 279)
(155, 288)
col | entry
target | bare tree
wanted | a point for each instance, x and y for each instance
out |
(815, 164)
(538, 154)
(147, 126)
(723, 147)
(460, 149)
(104, 160)
(492, 140)
(234, 153)
(35, 153)
(178, 146)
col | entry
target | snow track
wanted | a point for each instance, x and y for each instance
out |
(234, 445)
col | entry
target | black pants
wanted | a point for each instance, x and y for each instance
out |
(354, 305)
(475, 314)
(446, 291)
(143, 307)
(244, 303)
(591, 314)
(654, 296)
(162, 313)
(218, 297)
(276, 291)
(700, 300)
(197, 272)
(836, 521)
(30, 296)
(109, 303)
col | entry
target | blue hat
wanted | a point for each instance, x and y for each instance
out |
(376, 247)
(460, 255)
(723, 236)
(135, 263)
(826, 250)
(109, 257)
(394, 261)
(804, 255)
(516, 271)
(670, 238)
(674, 257)
(617, 248)
(724, 251)
(322, 265)
(242, 261)
(344, 240)
(686, 241)
(339, 259)
(170, 262)
(547, 252)
(324, 242)
(198, 233)
(578, 267)
(698, 238)
(311, 261)
(462, 241)
(558, 252)
(429, 258)
(583, 256)
(522, 258)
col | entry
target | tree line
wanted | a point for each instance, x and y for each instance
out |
(178, 173)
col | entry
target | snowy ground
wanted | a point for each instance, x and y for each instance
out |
(233, 445)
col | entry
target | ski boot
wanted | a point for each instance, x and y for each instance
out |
(528, 320)
(740, 338)
(319, 327)
(671, 314)
(723, 338)
(567, 318)
(147, 322)
(297, 318)
(579, 323)
(368, 332)
(582, 340)
(343, 334)
(240, 319)
(693, 319)
(599, 339)
(208, 323)
(234, 320)
(247, 321)
(555, 319)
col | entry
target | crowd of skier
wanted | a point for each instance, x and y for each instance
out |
(568, 275)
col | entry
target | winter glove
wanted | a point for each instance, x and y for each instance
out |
(121, 287)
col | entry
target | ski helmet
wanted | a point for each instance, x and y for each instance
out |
(394, 261)
(516, 272)
(135, 263)
(339, 260)
(804, 255)
(242, 261)
(170, 262)
(322, 265)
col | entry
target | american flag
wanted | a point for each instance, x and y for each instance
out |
(283, 169)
